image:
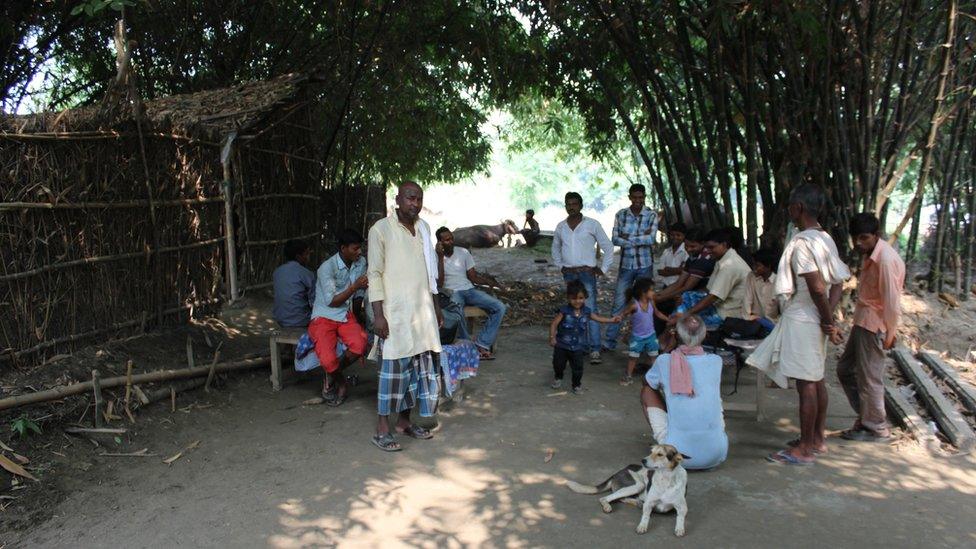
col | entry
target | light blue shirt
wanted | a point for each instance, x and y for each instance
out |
(333, 277)
(696, 426)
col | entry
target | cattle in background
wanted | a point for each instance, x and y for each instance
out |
(484, 236)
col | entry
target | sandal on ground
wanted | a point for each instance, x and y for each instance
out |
(485, 354)
(386, 442)
(334, 399)
(416, 431)
(796, 442)
(627, 380)
(864, 435)
(784, 457)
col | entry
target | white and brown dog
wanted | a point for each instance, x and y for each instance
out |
(659, 483)
(669, 483)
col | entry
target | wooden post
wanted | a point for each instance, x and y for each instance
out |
(190, 362)
(760, 395)
(275, 362)
(128, 383)
(213, 370)
(99, 403)
(965, 391)
(227, 188)
(944, 412)
(902, 409)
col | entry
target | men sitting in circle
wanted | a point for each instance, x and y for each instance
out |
(725, 292)
(760, 309)
(694, 277)
(294, 286)
(682, 401)
(673, 258)
(340, 278)
(457, 277)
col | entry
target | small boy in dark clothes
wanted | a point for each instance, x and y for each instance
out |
(568, 335)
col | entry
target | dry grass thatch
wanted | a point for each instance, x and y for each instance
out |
(106, 230)
(207, 115)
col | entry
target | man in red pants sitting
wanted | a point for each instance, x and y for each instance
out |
(338, 280)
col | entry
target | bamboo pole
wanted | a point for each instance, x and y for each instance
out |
(228, 190)
(938, 117)
(150, 377)
(95, 135)
(114, 327)
(280, 195)
(96, 384)
(106, 205)
(280, 240)
(106, 258)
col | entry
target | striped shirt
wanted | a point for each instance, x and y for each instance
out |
(635, 248)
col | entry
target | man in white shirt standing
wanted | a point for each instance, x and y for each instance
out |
(457, 276)
(574, 252)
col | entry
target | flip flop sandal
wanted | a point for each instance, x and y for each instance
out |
(417, 432)
(485, 355)
(796, 442)
(335, 400)
(386, 442)
(783, 457)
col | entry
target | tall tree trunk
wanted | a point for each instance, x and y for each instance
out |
(937, 118)
(970, 241)
(912, 246)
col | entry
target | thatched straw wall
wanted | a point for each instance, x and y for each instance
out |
(106, 233)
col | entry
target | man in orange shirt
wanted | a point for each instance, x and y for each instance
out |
(876, 316)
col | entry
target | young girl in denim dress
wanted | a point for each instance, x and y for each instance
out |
(568, 335)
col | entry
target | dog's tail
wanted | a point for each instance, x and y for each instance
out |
(582, 488)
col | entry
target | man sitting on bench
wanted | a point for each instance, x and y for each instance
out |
(456, 276)
(340, 278)
(294, 286)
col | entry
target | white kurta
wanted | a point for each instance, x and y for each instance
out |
(398, 277)
(797, 348)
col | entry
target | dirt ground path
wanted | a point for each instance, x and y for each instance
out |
(269, 472)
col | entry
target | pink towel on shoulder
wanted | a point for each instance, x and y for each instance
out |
(680, 371)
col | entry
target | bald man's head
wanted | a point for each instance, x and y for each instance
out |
(409, 200)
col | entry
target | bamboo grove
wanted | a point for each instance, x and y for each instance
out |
(727, 105)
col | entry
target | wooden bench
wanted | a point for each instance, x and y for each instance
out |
(471, 315)
(744, 348)
(279, 337)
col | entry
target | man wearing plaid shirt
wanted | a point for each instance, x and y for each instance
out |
(634, 229)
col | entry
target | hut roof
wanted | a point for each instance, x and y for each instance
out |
(207, 114)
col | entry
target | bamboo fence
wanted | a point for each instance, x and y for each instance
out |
(108, 233)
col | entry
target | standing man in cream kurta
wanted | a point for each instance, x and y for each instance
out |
(402, 286)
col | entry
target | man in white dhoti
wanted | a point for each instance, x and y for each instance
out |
(809, 284)
(402, 276)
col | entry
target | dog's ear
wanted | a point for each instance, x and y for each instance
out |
(674, 456)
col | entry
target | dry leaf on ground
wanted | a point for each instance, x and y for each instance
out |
(192, 445)
(9, 465)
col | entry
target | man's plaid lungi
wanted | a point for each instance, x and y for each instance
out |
(408, 382)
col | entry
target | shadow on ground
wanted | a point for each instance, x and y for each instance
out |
(270, 472)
